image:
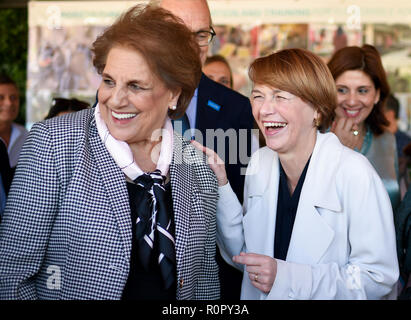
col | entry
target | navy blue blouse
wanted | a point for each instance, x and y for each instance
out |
(287, 205)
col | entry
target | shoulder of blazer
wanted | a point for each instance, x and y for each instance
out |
(68, 133)
(332, 166)
(71, 124)
(187, 157)
(75, 120)
(337, 158)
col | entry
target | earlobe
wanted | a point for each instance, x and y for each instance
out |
(316, 120)
(175, 95)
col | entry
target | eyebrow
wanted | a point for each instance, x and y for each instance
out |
(255, 91)
(139, 82)
(104, 74)
(363, 86)
(203, 29)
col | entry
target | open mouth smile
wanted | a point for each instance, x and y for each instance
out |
(352, 113)
(123, 116)
(272, 127)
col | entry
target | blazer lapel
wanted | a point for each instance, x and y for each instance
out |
(311, 234)
(115, 186)
(206, 116)
(261, 203)
(184, 194)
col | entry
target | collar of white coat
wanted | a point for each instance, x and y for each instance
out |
(320, 180)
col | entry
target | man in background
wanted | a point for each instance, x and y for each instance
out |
(215, 106)
(12, 134)
(6, 176)
(391, 112)
(392, 109)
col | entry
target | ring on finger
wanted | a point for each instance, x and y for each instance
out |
(256, 277)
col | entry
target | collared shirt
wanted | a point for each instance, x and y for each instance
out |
(2, 198)
(122, 154)
(17, 138)
(192, 112)
(402, 140)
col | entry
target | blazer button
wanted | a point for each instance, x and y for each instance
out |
(181, 282)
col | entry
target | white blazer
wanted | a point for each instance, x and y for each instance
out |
(343, 240)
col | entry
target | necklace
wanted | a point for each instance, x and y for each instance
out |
(366, 143)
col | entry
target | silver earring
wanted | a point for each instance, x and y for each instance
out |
(173, 107)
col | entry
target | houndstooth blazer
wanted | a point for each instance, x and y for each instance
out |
(66, 232)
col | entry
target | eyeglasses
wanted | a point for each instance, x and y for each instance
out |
(204, 38)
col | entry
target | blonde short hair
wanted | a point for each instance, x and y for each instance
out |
(303, 74)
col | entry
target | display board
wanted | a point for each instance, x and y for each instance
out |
(61, 34)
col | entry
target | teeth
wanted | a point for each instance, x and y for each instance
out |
(275, 124)
(352, 112)
(122, 116)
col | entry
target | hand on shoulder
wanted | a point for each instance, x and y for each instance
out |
(215, 162)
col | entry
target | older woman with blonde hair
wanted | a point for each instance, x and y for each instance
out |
(110, 202)
(316, 222)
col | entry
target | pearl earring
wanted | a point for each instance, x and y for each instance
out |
(173, 107)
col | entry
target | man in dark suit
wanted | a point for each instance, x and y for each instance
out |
(6, 176)
(219, 118)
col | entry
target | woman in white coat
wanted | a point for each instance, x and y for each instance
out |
(316, 222)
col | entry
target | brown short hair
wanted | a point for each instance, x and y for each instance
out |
(366, 59)
(303, 74)
(220, 58)
(5, 79)
(165, 42)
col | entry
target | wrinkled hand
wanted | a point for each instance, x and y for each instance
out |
(343, 129)
(264, 267)
(215, 162)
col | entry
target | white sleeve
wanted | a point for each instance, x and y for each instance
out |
(230, 233)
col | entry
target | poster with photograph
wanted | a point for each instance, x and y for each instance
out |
(325, 39)
(241, 44)
(61, 66)
(394, 44)
(60, 58)
(61, 34)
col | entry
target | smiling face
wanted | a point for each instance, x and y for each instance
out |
(356, 96)
(133, 101)
(9, 103)
(285, 120)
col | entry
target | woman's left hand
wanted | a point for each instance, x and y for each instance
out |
(261, 269)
